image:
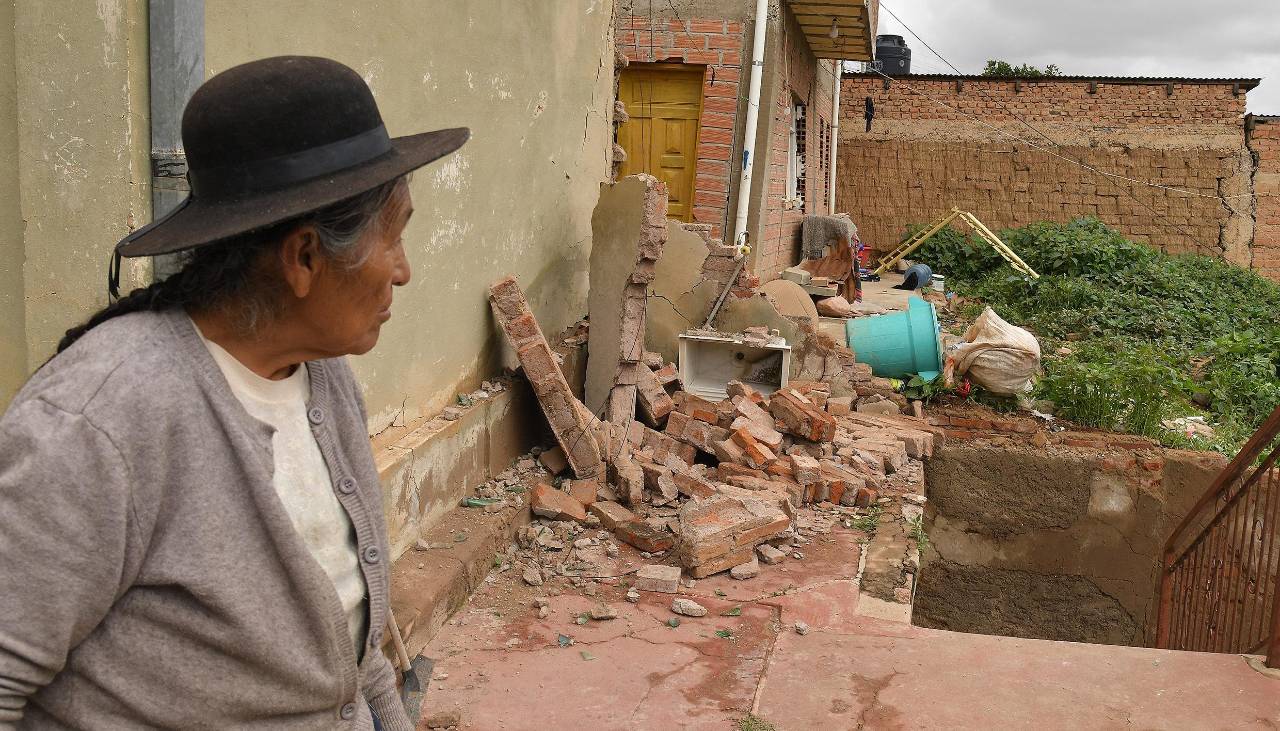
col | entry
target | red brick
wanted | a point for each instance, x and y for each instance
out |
(548, 502)
(724, 41)
(644, 536)
(706, 26)
(702, 57)
(683, 40)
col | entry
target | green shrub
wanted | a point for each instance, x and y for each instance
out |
(1134, 321)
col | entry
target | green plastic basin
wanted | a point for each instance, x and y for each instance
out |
(899, 343)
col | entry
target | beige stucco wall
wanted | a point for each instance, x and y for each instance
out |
(73, 165)
(533, 81)
(13, 351)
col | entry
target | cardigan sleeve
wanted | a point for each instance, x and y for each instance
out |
(65, 515)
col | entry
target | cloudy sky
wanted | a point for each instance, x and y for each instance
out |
(1217, 38)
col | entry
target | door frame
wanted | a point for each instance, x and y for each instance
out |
(688, 69)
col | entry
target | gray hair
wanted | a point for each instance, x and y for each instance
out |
(229, 275)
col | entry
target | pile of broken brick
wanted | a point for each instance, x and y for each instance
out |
(718, 482)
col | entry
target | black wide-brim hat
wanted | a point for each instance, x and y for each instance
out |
(271, 140)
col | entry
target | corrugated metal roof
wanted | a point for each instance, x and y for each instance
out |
(1117, 80)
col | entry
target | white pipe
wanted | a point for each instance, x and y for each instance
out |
(835, 136)
(749, 130)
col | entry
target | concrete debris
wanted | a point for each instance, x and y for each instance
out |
(748, 570)
(835, 307)
(629, 231)
(659, 578)
(553, 459)
(548, 502)
(601, 612)
(770, 555)
(688, 608)
(611, 514)
(877, 404)
(801, 628)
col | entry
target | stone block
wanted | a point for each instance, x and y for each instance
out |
(554, 460)
(659, 578)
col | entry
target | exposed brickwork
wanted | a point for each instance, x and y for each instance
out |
(543, 371)
(717, 44)
(921, 158)
(809, 81)
(1264, 139)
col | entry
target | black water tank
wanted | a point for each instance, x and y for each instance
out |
(893, 57)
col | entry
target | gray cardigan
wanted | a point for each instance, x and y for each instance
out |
(149, 575)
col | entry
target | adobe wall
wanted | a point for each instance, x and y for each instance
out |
(1264, 140)
(921, 158)
(1053, 542)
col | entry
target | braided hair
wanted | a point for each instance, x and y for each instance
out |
(227, 273)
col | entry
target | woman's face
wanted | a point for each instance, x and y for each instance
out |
(347, 306)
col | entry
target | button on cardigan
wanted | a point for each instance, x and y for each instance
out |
(150, 574)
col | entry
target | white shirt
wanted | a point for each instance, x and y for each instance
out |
(302, 479)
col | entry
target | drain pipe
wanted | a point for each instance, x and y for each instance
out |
(176, 56)
(749, 130)
(835, 135)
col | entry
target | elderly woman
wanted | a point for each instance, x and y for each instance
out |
(190, 519)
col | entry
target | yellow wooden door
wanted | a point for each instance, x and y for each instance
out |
(664, 102)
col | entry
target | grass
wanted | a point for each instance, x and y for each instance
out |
(1129, 336)
(754, 723)
(915, 529)
(867, 523)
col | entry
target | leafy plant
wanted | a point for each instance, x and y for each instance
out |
(867, 523)
(915, 530)
(1129, 335)
(924, 390)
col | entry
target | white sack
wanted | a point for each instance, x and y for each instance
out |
(1000, 357)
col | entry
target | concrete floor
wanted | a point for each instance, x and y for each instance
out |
(505, 669)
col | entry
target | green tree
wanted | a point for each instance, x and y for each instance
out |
(997, 67)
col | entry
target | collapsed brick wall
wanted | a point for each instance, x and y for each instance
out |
(1264, 140)
(921, 158)
(717, 44)
(807, 80)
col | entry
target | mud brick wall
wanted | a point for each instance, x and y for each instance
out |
(921, 158)
(1264, 140)
(717, 43)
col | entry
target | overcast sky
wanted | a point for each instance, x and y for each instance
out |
(1216, 38)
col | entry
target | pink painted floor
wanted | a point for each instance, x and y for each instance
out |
(504, 668)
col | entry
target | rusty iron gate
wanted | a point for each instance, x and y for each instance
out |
(1221, 565)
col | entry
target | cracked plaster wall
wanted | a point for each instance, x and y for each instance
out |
(534, 82)
(73, 166)
(1055, 543)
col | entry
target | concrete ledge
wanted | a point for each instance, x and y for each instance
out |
(427, 587)
(428, 470)
(427, 467)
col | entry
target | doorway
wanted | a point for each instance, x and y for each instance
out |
(664, 102)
